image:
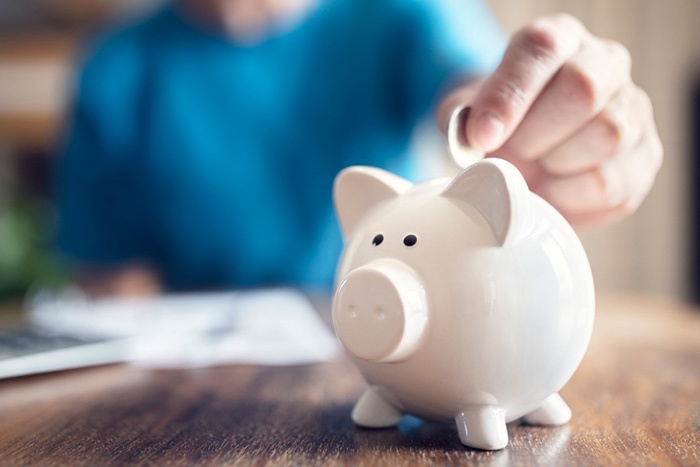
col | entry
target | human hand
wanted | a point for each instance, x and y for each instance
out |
(133, 280)
(562, 108)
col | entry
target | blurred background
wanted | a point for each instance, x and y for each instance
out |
(653, 252)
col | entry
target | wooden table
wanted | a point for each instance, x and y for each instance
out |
(635, 398)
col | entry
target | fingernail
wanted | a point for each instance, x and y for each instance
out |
(488, 131)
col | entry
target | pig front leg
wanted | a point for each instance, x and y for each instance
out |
(373, 411)
(553, 411)
(482, 427)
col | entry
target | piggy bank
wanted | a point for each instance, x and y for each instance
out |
(467, 299)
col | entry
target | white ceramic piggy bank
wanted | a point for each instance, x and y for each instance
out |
(468, 299)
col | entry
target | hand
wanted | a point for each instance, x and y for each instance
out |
(563, 108)
(133, 280)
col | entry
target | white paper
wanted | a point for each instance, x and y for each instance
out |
(269, 326)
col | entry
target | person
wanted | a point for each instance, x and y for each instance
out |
(204, 139)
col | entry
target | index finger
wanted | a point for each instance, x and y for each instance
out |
(534, 55)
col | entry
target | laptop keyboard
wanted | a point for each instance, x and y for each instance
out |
(20, 342)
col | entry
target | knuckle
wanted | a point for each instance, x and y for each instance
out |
(552, 35)
(579, 88)
(657, 153)
(563, 21)
(569, 22)
(644, 101)
(622, 55)
(612, 133)
(539, 40)
(655, 145)
(630, 205)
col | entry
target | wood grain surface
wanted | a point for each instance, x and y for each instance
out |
(635, 399)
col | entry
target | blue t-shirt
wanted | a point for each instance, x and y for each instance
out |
(214, 162)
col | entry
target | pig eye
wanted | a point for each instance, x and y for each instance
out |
(410, 240)
(378, 239)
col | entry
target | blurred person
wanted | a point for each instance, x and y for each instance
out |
(204, 139)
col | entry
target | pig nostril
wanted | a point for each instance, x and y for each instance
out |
(379, 313)
(351, 311)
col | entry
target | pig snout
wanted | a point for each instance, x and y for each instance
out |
(380, 311)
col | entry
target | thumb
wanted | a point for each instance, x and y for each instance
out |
(533, 57)
(462, 96)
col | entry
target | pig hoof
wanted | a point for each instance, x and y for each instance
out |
(373, 411)
(483, 427)
(553, 411)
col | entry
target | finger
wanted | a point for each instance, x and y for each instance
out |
(580, 89)
(620, 182)
(618, 211)
(532, 172)
(630, 175)
(532, 58)
(614, 130)
(575, 194)
(459, 97)
(597, 218)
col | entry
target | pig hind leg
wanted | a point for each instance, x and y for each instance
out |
(373, 411)
(482, 427)
(553, 411)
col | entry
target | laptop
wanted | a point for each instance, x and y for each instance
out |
(26, 351)
(266, 326)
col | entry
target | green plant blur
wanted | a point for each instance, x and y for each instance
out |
(25, 254)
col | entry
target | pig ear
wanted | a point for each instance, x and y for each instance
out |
(357, 189)
(499, 192)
